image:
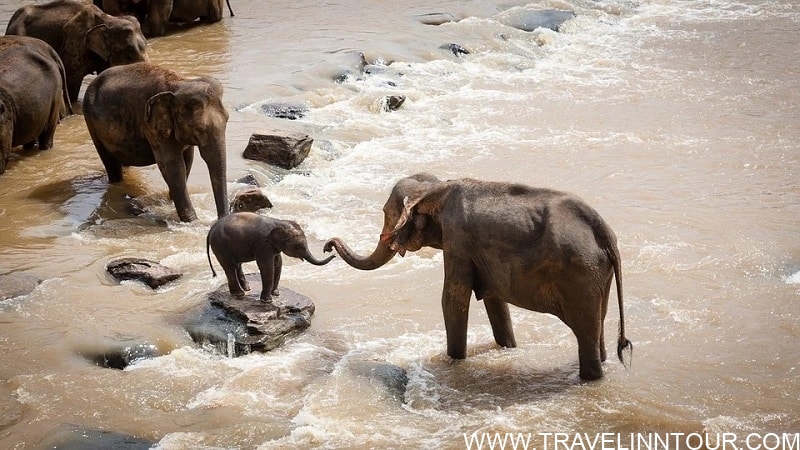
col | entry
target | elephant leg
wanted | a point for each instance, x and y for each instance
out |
(266, 265)
(232, 274)
(456, 294)
(46, 136)
(278, 267)
(245, 285)
(112, 164)
(174, 173)
(587, 327)
(500, 319)
(603, 311)
(188, 158)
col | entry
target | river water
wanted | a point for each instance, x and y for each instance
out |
(679, 121)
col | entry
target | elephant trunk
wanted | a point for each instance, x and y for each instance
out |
(308, 257)
(214, 154)
(380, 256)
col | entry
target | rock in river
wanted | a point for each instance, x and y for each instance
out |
(239, 325)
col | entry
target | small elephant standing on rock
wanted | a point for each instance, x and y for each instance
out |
(143, 114)
(87, 39)
(539, 249)
(33, 94)
(245, 236)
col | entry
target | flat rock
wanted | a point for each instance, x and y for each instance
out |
(250, 199)
(529, 20)
(285, 149)
(240, 325)
(71, 437)
(151, 273)
(436, 18)
(17, 284)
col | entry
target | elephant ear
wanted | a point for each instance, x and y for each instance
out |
(97, 43)
(416, 209)
(158, 113)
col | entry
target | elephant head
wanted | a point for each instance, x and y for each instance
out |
(192, 114)
(95, 41)
(289, 238)
(411, 221)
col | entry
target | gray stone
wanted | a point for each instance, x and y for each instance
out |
(393, 102)
(390, 378)
(285, 149)
(436, 18)
(250, 199)
(17, 284)
(249, 323)
(151, 273)
(71, 437)
(455, 49)
(285, 110)
(123, 355)
(528, 20)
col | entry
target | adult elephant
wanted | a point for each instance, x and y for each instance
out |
(33, 97)
(87, 39)
(538, 249)
(155, 15)
(142, 114)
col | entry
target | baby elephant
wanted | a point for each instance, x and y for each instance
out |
(245, 236)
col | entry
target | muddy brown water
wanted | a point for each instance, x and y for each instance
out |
(677, 120)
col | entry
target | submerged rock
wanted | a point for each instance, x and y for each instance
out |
(528, 20)
(70, 437)
(455, 49)
(122, 356)
(284, 110)
(17, 284)
(151, 273)
(436, 18)
(388, 377)
(392, 102)
(239, 325)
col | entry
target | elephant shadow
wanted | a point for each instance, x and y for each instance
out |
(89, 201)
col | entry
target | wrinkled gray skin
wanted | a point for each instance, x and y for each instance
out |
(245, 236)
(142, 114)
(33, 95)
(87, 39)
(154, 15)
(538, 249)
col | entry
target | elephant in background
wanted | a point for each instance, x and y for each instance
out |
(143, 114)
(245, 236)
(155, 15)
(537, 249)
(33, 95)
(87, 39)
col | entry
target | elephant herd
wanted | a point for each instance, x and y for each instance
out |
(506, 243)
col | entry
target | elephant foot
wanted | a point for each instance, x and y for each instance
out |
(591, 373)
(266, 299)
(276, 292)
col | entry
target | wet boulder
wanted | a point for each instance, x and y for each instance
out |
(240, 325)
(388, 378)
(284, 110)
(150, 273)
(455, 49)
(392, 102)
(17, 284)
(122, 355)
(70, 437)
(285, 149)
(529, 20)
(436, 18)
(250, 199)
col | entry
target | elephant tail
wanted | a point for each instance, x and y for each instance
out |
(208, 255)
(622, 341)
(229, 7)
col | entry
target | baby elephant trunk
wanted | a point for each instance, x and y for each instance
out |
(317, 262)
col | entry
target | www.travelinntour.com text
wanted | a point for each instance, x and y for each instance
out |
(632, 441)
